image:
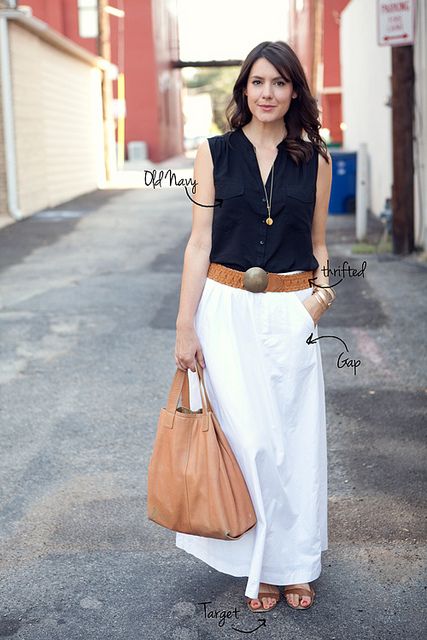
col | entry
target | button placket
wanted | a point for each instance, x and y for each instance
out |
(251, 160)
(256, 195)
(262, 238)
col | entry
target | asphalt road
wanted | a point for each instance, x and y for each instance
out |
(89, 296)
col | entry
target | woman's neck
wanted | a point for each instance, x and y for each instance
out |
(265, 134)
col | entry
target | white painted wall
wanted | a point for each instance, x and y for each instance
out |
(58, 122)
(420, 128)
(366, 82)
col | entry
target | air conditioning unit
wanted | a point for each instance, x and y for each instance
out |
(25, 8)
(137, 150)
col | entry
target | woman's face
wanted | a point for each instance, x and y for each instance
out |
(267, 87)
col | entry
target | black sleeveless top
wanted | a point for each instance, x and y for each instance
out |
(240, 236)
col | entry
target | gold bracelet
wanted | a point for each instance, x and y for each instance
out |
(328, 297)
(320, 294)
(322, 291)
(320, 299)
(332, 293)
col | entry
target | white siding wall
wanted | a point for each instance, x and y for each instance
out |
(58, 122)
(3, 177)
(366, 82)
(420, 156)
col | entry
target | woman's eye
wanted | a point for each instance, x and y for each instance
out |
(280, 82)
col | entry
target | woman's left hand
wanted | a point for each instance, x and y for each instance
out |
(314, 308)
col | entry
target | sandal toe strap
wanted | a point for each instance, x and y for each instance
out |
(301, 591)
(267, 591)
(267, 594)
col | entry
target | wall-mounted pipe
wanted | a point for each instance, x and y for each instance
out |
(8, 122)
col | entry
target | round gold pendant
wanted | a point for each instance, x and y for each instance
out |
(269, 220)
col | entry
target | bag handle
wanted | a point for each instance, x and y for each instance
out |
(180, 386)
(200, 373)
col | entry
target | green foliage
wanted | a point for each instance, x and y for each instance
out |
(363, 247)
(218, 82)
(384, 246)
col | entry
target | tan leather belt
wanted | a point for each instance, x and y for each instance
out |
(256, 280)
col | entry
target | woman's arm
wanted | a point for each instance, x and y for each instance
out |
(320, 217)
(196, 261)
(318, 231)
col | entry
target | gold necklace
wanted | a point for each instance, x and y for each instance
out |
(269, 219)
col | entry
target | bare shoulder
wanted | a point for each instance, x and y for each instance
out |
(203, 157)
(324, 171)
(203, 146)
(203, 173)
(323, 164)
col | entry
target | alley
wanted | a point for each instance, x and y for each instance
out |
(89, 296)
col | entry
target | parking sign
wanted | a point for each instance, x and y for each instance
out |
(396, 22)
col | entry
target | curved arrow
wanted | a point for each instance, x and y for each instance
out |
(310, 341)
(218, 201)
(323, 286)
(262, 624)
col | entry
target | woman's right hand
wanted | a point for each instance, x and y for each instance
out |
(188, 349)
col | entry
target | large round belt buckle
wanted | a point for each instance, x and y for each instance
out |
(255, 279)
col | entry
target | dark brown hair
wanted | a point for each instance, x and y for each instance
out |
(303, 112)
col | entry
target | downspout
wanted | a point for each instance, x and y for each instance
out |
(8, 122)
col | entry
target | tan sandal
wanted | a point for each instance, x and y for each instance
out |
(265, 591)
(301, 591)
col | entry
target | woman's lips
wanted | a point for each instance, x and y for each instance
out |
(266, 107)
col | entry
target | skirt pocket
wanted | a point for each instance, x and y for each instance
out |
(299, 304)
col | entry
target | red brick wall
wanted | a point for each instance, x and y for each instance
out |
(153, 88)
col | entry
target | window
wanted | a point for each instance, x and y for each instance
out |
(88, 18)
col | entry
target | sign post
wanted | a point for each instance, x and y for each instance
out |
(396, 28)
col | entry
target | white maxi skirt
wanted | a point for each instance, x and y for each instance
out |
(266, 387)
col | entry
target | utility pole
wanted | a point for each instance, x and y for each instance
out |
(104, 50)
(403, 78)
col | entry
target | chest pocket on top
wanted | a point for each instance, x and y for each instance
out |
(226, 189)
(298, 193)
(229, 212)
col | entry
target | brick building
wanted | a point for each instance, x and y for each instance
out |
(144, 43)
(315, 36)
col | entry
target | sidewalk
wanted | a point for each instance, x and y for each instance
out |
(88, 301)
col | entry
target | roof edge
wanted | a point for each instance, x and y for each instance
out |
(56, 39)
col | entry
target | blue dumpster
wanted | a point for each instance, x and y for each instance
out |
(343, 191)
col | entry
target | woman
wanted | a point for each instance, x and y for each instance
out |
(262, 201)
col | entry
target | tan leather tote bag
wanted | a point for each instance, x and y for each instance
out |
(195, 484)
